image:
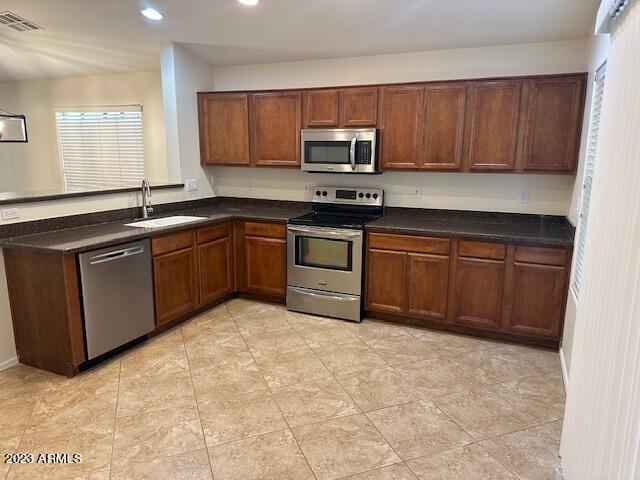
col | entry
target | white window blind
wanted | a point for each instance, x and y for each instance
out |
(100, 147)
(592, 147)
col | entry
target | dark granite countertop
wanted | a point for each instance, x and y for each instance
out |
(544, 230)
(103, 229)
(91, 237)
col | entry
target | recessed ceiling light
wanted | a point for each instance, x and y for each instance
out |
(152, 14)
(249, 2)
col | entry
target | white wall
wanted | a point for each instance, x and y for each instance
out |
(596, 55)
(601, 431)
(548, 194)
(36, 165)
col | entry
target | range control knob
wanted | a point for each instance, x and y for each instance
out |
(361, 195)
(375, 196)
(324, 193)
(368, 195)
(317, 193)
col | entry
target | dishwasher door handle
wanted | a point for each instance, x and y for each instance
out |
(116, 255)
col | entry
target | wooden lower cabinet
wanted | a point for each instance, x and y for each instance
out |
(386, 281)
(261, 259)
(539, 297)
(215, 269)
(405, 282)
(478, 291)
(192, 269)
(175, 284)
(511, 291)
(428, 279)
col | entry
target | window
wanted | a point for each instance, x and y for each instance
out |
(101, 147)
(592, 146)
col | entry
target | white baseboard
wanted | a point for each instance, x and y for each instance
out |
(8, 363)
(563, 366)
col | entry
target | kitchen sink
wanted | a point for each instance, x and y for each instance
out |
(164, 222)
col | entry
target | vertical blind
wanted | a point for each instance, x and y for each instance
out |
(101, 147)
(601, 433)
(592, 145)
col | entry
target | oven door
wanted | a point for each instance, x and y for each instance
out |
(324, 258)
(339, 150)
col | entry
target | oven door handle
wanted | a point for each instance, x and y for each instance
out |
(341, 298)
(325, 232)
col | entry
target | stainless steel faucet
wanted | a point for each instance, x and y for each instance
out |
(147, 209)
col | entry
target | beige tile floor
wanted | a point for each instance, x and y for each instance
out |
(251, 391)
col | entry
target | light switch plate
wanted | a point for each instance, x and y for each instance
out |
(10, 213)
(191, 185)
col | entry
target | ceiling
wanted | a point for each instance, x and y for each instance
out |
(90, 36)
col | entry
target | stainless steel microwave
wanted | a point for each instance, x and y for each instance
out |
(340, 150)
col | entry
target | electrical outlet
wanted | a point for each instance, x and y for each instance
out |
(308, 187)
(417, 191)
(524, 196)
(191, 185)
(10, 214)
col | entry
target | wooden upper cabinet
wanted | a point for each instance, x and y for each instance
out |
(320, 108)
(276, 121)
(224, 128)
(444, 114)
(493, 116)
(359, 107)
(401, 126)
(554, 121)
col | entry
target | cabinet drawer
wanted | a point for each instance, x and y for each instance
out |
(171, 243)
(214, 232)
(493, 251)
(409, 243)
(541, 255)
(268, 230)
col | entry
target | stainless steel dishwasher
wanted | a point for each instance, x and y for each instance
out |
(117, 295)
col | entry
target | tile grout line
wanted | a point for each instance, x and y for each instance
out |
(362, 413)
(115, 421)
(195, 396)
(289, 429)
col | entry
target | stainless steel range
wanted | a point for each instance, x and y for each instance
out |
(325, 252)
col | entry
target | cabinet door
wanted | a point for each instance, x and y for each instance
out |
(359, 107)
(554, 122)
(275, 128)
(320, 108)
(538, 299)
(428, 279)
(215, 270)
(478, 292)
(444, 109)
(224, 128)
(175, 284)
(494, 111)
(266, 266)
(386, 280)
(401, 127)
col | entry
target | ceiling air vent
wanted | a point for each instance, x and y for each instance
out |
(17, 23)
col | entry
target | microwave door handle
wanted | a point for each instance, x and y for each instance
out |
(352, 152)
